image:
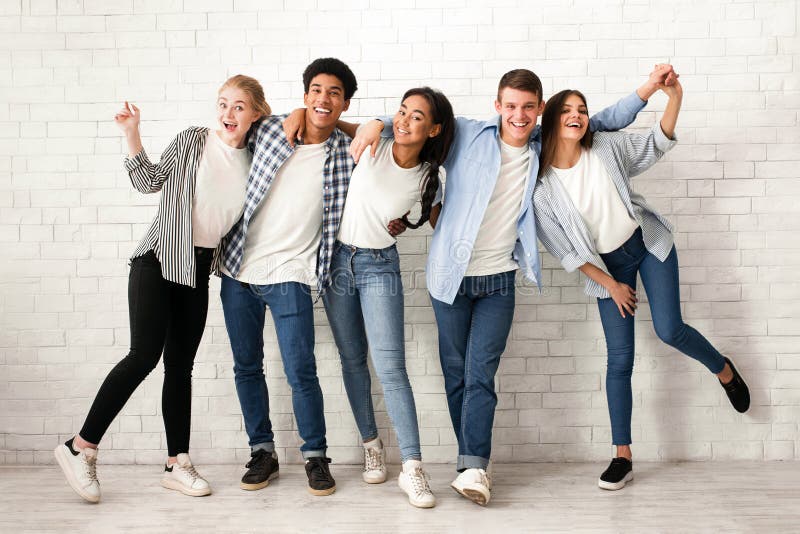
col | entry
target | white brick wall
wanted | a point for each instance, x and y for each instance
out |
(69, 218)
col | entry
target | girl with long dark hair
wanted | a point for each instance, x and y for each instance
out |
(590, 218)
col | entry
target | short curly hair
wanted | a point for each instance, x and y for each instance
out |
(334, 67)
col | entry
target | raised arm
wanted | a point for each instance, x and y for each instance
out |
(128, 119)
(145, 176)
(623, 113)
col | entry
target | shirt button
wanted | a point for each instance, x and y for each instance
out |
(521, 232)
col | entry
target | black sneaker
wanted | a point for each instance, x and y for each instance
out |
(262, 467)
(618, 473)
(320, 480)
(737, 390)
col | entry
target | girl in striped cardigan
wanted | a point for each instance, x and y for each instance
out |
(590, 218)
(202, 177)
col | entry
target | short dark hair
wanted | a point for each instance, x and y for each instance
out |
(522, 80)
(334, 67)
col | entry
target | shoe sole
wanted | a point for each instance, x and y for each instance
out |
(473, 495)
(613, 486)
(374, 480)
(260, 485)
(63, 463)
(322, 492)
(177, 486)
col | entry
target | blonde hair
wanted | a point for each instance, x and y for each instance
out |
(253, 88)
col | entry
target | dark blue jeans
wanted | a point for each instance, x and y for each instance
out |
(291, 307)
(473, 331)
(661, 283)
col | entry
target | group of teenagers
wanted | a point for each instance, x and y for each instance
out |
(285, 209)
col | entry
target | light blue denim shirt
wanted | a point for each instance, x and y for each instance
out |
(472, 168)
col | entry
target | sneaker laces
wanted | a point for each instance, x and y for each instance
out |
(90, 467)
(190, 470)
(419, 481)
(320, 472)
(486, 479)
(372, 459)
(256, 458)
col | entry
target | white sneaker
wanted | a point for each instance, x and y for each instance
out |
(182, 476)
(415, 483)
(475, 485)
(374, 463)
(80, 470)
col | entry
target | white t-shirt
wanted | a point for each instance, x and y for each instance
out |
(497, 235)
(219, 191)
(380, 191)
(597, 200)
(284, 234)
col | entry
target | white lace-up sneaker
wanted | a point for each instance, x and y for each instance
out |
(80, 470)
(182, 476)
(475, 485)
(414, 481)
(374, 463)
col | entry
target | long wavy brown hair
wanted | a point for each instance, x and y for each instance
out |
(551, 122)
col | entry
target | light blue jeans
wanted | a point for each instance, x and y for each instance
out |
(364, 304)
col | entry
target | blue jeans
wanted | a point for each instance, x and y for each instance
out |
(660, 281)
(365, 308)
(291, 307)
(472, 336)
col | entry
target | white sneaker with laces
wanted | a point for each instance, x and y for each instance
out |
(414, 481)
(80, 470)
(374, 462)
(475, 485)
(182, 476)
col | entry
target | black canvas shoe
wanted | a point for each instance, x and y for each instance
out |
(320, 480)
(262, 467)
(619, 472)
(737, 390)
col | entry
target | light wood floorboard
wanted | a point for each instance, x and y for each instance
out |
(664, 497)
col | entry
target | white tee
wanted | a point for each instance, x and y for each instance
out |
(497, 235)
(380, 191)
(597, 200)
(219, 191)
(284, 234)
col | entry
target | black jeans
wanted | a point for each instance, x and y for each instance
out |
(167, 317)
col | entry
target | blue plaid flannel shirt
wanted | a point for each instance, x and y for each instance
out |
(270, 150)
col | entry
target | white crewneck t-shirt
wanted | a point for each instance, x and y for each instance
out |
(594, 195)
(497, 235)
(284, 234)
(219, 191)
(380, 191)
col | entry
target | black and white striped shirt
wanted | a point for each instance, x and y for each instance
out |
(560, 226)
(170, 234)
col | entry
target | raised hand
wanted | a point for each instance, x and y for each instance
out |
(128, 118)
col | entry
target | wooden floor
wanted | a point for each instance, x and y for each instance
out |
(664, 497)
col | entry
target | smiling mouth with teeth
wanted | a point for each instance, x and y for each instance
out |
(573, 125)
(229, 126)
(519, 124)
(322, 110)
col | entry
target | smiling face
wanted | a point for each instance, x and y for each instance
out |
(519, 110)
(413, 123)
(574, 119)
(235, 114)
(324, 102)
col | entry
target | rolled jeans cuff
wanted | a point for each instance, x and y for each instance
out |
(471, 462)
(268, 446)
(313, 454)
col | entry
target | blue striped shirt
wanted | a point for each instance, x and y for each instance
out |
(563, 231)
